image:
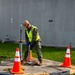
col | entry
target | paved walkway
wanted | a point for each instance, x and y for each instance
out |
(48, 68)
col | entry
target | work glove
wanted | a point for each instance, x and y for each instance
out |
(30, 45)
(27, 43)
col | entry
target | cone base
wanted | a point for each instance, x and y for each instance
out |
(68, 66)
(21, 72)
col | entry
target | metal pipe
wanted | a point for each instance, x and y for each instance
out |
(20, 42)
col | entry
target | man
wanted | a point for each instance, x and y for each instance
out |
(33, 39)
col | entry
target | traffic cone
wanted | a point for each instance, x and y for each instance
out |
(29, 58)
(17, 69)
(67, 60)
(31, 54)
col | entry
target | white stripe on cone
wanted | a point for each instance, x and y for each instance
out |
(68, 51)
(17, 59)
(17, 53)
(67, 56)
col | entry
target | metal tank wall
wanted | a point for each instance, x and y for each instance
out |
(55, 20)
(10, 19)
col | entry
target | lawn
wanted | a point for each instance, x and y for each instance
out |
(7, 50)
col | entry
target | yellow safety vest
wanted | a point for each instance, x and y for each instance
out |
(30, 34)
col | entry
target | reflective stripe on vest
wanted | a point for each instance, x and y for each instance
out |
(30, 34)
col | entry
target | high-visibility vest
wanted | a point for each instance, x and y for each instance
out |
(29, 34)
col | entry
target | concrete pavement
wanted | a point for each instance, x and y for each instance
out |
(48, 68)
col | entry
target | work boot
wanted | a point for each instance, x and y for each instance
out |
(40, 63)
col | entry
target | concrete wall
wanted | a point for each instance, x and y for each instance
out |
(54, 18)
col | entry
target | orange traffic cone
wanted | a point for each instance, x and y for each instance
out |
(29, 58)
(67, 61)
(17, 65)
(31, 54)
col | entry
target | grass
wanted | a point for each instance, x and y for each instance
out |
(7, 50)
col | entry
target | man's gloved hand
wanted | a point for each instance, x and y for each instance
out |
(27, 43)
(30, 45)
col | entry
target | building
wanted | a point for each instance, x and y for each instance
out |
(54, 18)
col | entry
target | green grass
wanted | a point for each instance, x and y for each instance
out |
(7, 50)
